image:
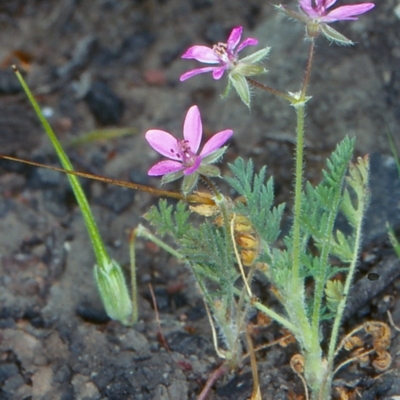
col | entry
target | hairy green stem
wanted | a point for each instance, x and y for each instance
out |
(143, 232)
(275, 316)
(298, 189)
(271, 90)
(307, 75)
(346, 289)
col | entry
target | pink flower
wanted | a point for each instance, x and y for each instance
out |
(318, 10)
(225, 55)
(184, 159)
(317, 17)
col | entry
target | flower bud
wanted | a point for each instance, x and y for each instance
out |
(114, 292)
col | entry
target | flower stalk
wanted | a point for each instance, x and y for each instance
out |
(108, 273)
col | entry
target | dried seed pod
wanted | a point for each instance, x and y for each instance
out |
(362, 357)
(381, 333)
(342, 393)
(352, 342)
(374, 328)
(248, 256)
(383, 361)
(205, 210)
(297, 363)
(286, 340)
(263, 320)
(263, 267)
(246, 240)
(383, 342)
(242, 224)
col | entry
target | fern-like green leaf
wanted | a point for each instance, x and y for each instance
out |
(259, 196)
(334, 294)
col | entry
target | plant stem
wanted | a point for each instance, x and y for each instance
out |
(132, 256)
(294, 296)
(102, 257)
(191, 198)
(141, 231)
(298, 188)
(307, 75)
(277, 317)
(346, 289)
(275, 92)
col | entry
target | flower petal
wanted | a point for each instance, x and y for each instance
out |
(193, 128)
(307, 7)
(165, 167)
(202, 53)
(347, 12)
(195, 72)
(193, 168)
(164, 143)
(234, 37)
(215, 142)
(247, 42)
(219, 72)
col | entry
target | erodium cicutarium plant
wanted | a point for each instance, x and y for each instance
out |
(231, 240)
(237, 238)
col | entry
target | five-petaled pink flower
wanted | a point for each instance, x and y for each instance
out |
(318, 10)
(225, 55)
(316, 16)
(184, 159)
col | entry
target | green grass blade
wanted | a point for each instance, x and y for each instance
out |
(98, 246)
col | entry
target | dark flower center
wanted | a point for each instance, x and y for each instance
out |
(185, 153)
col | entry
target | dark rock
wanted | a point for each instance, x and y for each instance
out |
(170, 55)
(20, 129)
(135, 46)
(117, 199)
(5, 207)
(200, 4)
(188, 345)
(9, 83)
(92, 314)
(384, 387)
(196, 313)
(55, 201)
(103, 377)
(239, 387)
(118, 391)
(139, 177)
(35, 318)
(42, 178)
(385, 193)
(82, 54)
(364, 290)
(6, 371)
(104, 104)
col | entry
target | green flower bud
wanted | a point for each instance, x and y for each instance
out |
(114, 292)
